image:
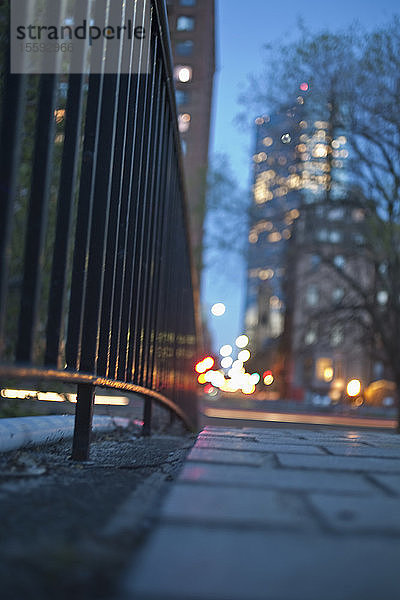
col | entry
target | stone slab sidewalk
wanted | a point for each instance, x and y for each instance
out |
(277, 514)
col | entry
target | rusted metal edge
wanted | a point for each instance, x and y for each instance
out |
(77, 378)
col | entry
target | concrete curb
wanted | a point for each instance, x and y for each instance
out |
(29, 431)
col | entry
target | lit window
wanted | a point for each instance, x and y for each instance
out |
(382, 297)
(184, 122)
(253, 237)
(337, 295)
(315, 260)
(322, 235)
(358, 239)
(336, 335)
(185, 48)
(320, 151)
(358, 214)
(339, 261)
(311, 336)
(268, 141)
(274, 237)
(336, 214)
(335, 237)
(185, 23)
(183, 73)
(312, 295)
(324, 369)
(181, 97)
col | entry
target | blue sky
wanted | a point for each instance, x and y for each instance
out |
(242, 30)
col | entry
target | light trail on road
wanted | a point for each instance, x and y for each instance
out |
(254, 415)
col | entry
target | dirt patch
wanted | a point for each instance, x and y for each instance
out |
(67, 529)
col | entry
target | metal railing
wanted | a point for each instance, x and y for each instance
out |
(96, 282)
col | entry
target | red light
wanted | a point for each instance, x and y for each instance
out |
(267, 374)
(304, 86)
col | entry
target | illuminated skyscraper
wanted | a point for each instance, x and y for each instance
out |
(275, 207)
(304, 215)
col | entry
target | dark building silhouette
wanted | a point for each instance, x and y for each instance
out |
(192, 29)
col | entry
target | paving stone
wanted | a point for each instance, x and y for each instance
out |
(327, 437)
(199, 563)
(239, 505)
(339, 463)
(227, 456)
(247, 446)
(357, 450)
(392, 482)
(208, 435)
(282, 479)
(359, 514)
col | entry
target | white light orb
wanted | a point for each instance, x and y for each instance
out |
(242, 341)
(218, 309)
(226, 362)
(226, 350)
(244, 355)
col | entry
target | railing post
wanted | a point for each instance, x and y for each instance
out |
(83, 421)
(147, 414)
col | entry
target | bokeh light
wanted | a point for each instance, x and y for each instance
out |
(353, 387)
(226, 362)
(244, 355)
(242, 341)
(218, 309)
(225, 350)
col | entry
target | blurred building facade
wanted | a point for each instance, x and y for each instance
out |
(306, 226)
(192, 30)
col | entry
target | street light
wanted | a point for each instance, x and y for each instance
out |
(353, 388)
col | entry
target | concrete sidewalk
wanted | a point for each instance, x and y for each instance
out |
(278, 514)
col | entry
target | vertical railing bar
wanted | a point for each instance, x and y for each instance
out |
(113, 233)
(150, 316)
(85, 206)
(124, 240)
(123, 330)
(117, 222)
(159, 277)
(83, 421)
(10, 150)
(149, 225)
(37, 218)
(66, 196)
(168, 292)
(142, 202)
(131, 234)
(99, 226)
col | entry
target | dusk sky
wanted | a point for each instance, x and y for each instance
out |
(241, 31)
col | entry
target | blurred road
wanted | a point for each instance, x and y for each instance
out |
(239, 412)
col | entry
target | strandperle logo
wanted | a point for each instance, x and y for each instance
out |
(80, 36)
(80, 32)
